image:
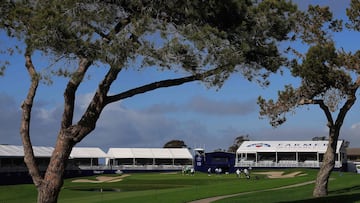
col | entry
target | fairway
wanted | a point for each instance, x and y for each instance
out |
(175, 187)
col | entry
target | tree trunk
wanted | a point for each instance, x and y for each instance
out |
(49, 190)
(322, 180)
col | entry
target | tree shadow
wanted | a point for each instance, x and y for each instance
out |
(345, 190)
(345, 198)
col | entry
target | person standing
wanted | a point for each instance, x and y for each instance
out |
(192, 171)
(238, 173)
(247, 173)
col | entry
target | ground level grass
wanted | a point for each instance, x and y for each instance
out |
(173, 188)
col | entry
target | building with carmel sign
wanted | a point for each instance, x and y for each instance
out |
(287, 154)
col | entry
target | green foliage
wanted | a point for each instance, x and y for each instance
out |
(288, 100)
(353, 12)
(175, 144)
(237, 142)
(195, 36)
(206, 40)
(328, 76)
(315, 25)
(329, 79)
(321, 70)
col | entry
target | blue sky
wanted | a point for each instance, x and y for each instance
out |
(200, 116)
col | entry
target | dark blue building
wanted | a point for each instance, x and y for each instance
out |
(224, 160)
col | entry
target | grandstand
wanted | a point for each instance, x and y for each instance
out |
(85, 161)
(287, 154)
(12, 158)
(148, 159)
(86, 157)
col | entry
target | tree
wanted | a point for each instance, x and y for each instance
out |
(198, 41)
(319, 138)
(237, 142)
(175, 144)
(329, 80)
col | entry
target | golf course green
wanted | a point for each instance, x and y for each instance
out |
(294, 185)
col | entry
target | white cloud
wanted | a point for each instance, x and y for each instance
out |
(83, 101)
(120, 126)
(355, 126)
(207, 106)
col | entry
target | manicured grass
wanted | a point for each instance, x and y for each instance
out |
(173, 188)
(343, 187)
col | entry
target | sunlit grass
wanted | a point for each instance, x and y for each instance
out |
(173, 188)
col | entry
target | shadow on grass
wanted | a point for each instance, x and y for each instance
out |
(345, 198)
(346, 190)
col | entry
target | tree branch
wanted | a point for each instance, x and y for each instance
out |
(29, 157)
(88, 121)
(71, 88)
(322, 105)
(160, 84)
(346, 107)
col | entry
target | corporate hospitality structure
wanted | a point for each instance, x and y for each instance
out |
(287, 154)
(86, 161)
(83, 161)
(148, 159)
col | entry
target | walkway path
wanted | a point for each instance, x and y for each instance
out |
(212, 199)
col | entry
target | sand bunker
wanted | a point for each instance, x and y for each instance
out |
(102, 179)
(280, 174)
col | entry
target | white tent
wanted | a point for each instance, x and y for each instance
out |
(120, 153)
(87, 152)
(39, 151)
(18, 151)
(148, 156)
(182, 153)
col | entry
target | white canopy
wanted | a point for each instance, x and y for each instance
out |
(77, 152)
(181, 153)
(87, 152)
(286, 146)
(157, 153)
(120, 153)
(18, 151)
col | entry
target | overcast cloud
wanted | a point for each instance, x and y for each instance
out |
(119, 126)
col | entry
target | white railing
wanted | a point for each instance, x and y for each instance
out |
(283, 164)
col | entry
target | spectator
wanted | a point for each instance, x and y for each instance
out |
(238, 173)
(247, 173)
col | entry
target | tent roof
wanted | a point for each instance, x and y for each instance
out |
(181, 153)
(77, 152)
(18, 151)
(43, 151)
(120, 153)
(95, 152)
(11, 150)
(285, 146)
(87, 152)
(165, 153)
